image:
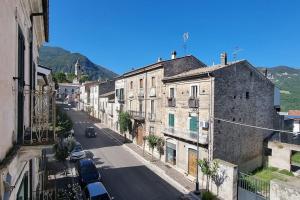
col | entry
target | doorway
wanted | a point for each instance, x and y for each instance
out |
(192, 162)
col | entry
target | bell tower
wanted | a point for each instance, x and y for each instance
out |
(77, 72)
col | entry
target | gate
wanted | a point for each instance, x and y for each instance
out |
(251, 188)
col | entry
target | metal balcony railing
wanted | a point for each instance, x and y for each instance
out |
(186, 134)
(137, 114)
(193, 102)
(171, 102)
(151, 116)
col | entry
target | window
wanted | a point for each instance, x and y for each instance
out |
(72, 91)
(194, 124)
(151, 130)
(141, 83)
(152, 106)
(172, 92)
(194, 91)
(171, 120)
(121, 93)
(153, 81)
(131, 84)
(130, 102)
(141, 106)
(117, 92)
(247, 95)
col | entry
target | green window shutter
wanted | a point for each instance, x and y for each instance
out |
(193, 124)
(171, 120)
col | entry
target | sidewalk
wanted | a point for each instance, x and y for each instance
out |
(158, 165)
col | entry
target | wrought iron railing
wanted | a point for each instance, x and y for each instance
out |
(171, 102)
(255, 185)
(137, 114)
(187, 134)
(193, 102)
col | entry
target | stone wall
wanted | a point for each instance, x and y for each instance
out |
(289, 190)
(226, 187)
(241, 95)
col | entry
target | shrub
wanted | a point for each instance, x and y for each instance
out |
(286, 172)
(208, 196)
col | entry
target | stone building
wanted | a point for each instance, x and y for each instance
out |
(24, 28)
(141, 93)
(210, 101)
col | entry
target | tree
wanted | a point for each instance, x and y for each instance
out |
(208, 169)
(60, 77)
(84, 78)
(152, 142)
(70, 77)
(160, 146)
(125, 123)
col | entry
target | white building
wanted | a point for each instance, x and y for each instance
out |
(24, 28)
(68, 92)
(294, 115)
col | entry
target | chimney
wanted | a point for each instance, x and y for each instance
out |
(159, 59)
(224, 58)
(173, 55)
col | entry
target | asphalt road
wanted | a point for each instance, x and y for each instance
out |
(124, 176)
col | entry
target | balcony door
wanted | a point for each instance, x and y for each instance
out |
(20, 110)
(171, 120)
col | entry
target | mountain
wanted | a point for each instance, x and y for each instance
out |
(288, 81)
(61, 60)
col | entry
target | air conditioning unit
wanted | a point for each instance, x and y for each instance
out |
(203, 124)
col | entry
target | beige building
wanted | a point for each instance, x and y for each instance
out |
(141, 93)
(24, 28)
(214, 101)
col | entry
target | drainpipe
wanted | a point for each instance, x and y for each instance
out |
(210, 120)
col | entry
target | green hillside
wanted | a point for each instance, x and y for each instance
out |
(288, 80)
(61, 60)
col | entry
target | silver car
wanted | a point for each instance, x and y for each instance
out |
(77, 153)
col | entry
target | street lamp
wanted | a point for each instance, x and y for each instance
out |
(197, 191)
(72, 132)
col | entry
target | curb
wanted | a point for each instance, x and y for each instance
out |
(158, 171)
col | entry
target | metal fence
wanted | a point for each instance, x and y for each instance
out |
(256, 186)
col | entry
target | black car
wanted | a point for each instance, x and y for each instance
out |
(90, 132)
(87, 172)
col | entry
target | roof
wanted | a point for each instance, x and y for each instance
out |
(96, 189)
(206, 70)
(69, 84)
(161, 64)
(202, 70)
(107, 94)
(294, 113)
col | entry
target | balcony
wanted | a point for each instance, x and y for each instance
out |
(137, 115)
(130, 95)
(171, 102)
(141, 93)
(121, 99)
(152, 92)
(186, 135)
(151, 117)
(193, 102)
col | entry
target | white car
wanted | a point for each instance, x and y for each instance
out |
(77, 153)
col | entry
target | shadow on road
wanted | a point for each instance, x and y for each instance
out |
(144, 184)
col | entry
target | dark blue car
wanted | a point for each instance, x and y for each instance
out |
(87, 172)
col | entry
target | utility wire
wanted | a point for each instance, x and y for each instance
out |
(258, 127)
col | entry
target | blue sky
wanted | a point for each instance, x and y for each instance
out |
(121, 34)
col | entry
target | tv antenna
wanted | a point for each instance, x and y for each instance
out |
(185, 39)
(235, 53)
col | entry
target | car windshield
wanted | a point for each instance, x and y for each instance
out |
(77, 148)
(101, 197)
(90, 129)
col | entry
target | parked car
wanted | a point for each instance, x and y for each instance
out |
(87, 172)
(90, 132)
(77, 153)
(96, 191)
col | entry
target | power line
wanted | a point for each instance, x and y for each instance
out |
(258, 127)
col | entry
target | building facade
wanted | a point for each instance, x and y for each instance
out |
(24, 28)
